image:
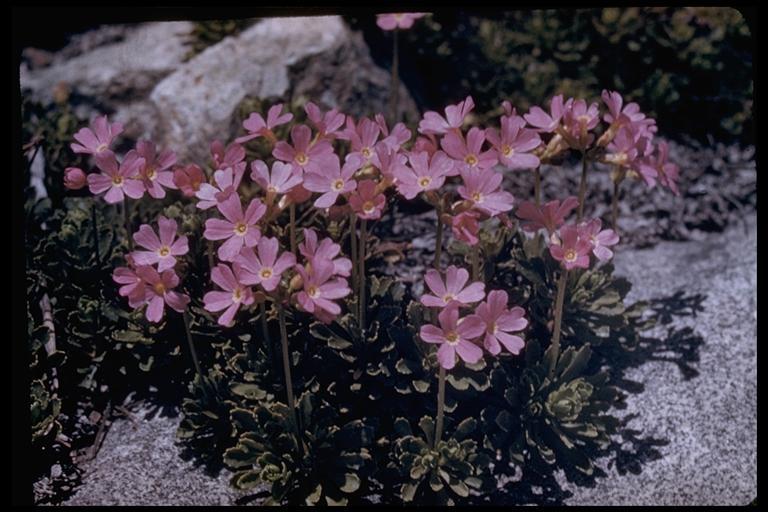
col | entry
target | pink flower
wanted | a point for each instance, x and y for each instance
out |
(424, 174)
(399, 136)
(434, 123)
(482, 189)
(265, 268)
(578, 120)
(133, 285)
(282, 178)
(470, 153)
(465, 227)
(74, 178)
(389, 161)
(362, 138)
(188, 179)
(303, 154)
(231, 156)
(159, 292)
(163, 250)
(550, 216)
(428, 144)
(238, 229)
(573, 251)
(454, 337)
(155, 173)
(257, 127)
(515, 143)
(499, 322)
(117, 181)
(326, 124)
(326, 250)
(331, 180)
(452, 289)
(546, 122)
(97, 138)
(627, 149)
(320, 290)
(509, 110)
(667, 172)
(366, 202)
(401, 20)
(614, 102)
(234, 295)
(227, 181)
(599, 239)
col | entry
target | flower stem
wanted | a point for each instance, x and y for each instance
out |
(558, 318)
(582, 186)
(95, 233)
(292, 211)
(361, 276)
(192, 351)
(353, 244)
(394, 93)
(287, 371)
(615, 206)
(537, 185)
(127, 223)
(440, 405)
(265, 330)
(475, 261)
(438, 242)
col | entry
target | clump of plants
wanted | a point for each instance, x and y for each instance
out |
(320, 380)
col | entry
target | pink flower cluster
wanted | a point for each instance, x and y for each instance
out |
(490, 321)
(150, 278)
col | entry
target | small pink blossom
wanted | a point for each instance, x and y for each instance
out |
(162, 250)
(366, 202)
(482, 189)
(426, 144)
(239, 229)
(74, 178)
(281, 180)
(667, 172)
(155, 173)
(97, 138)
(117, 180)
(264, 267)
(133, 287)
(401, 20)
(389, 161)
(159, 292)
(227, 181)
(465, 227)
(547, 123)
(327, 124)
(303, 153)
(321, 289)
(325, 250)
(599, 238)
(399, 135)
(423, 174)
(469, 153)
(572, 251)
(235, 293)
(188, 179)
(454, 337)
(331, 180)
(578, 120)
(550, 216)
(453, 289)
(258, 127)
(232, 156)
(630, 113)
(434, 123)
(627, 150)
(499, 322)
(515, 143)
(362, 138)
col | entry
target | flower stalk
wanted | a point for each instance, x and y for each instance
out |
(558, 318)
(440, 405)
(95, 233)
(582, 186)
(394, 93)
(292, 228)
(537, 185)
(192, 351)
(361, 275)
(287, 372)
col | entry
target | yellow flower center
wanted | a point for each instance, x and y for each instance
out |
(266, 273)
(301, 159)
(368, 207)
(507, 150)
(271, 189)
(366, 152)
(338, 184)
(477, 197)
(117, 180)
(101, 148)
(240, 229)
(159, 288)
(471, 160)
(447, 298)
(312, 291)
(492, 328)
(237, 295)
(164, 251)
(570, 255)
(424, 181)
(452, 338)
(151, 174)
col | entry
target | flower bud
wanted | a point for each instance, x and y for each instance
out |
(74, 178)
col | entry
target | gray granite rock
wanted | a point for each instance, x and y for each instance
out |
(707, 414)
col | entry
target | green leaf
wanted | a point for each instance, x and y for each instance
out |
(250, 391)
(408, 491)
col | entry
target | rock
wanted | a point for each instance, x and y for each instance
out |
(291, 59)
(701, 417)
(139, 464)
(138, 74)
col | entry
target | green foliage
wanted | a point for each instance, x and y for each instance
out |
(324, 466)
(441, 474)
